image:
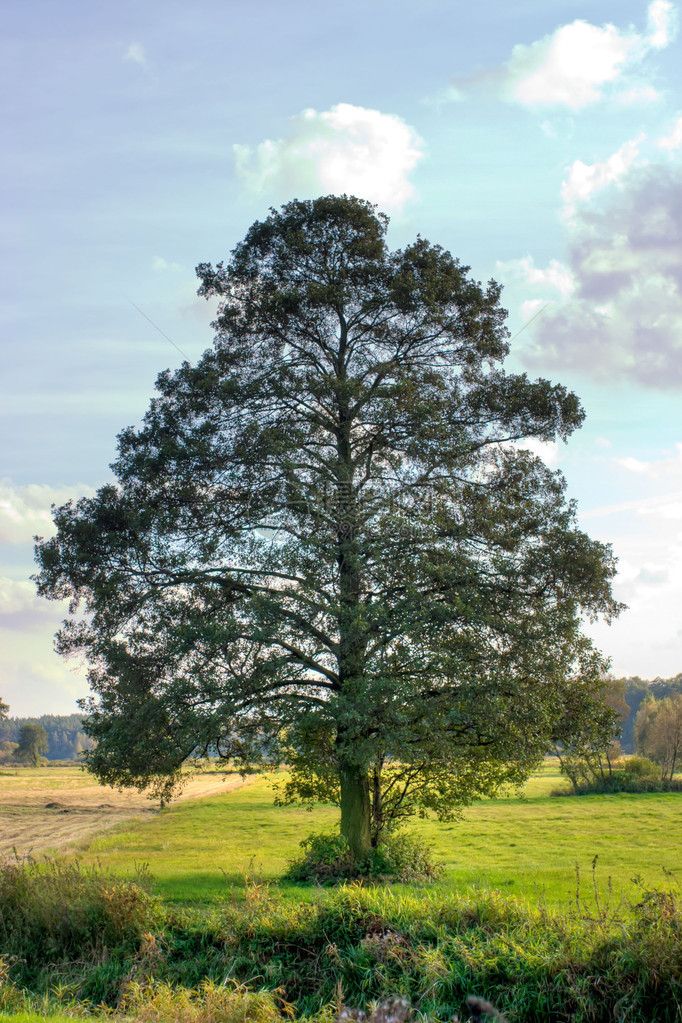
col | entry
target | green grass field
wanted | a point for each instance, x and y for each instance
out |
(502, 923)
(526, 845)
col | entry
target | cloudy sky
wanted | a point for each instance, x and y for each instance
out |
(540, 141)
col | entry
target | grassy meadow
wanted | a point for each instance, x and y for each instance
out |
(218, 936)
(527, 844)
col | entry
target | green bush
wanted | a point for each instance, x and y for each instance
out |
(641, 767)
(400, 857)
(622, 781)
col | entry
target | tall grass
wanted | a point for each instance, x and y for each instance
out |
(263, 957)
(66, 926)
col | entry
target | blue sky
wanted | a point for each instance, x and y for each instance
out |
(540, 142)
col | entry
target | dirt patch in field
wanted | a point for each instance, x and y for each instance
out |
(57, 809)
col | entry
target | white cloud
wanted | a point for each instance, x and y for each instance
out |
(649, 580)
(17, 595)
(671, 510)
(646, 533)
(578, 64)
(641, 93)
(25, 511)
(669, 468)
(674, 139)
(585, 179)
(33, 679)
(632, 464)
(22, 610)
(345, 149)
(662, 23)
(547, 451)
(136, 54)
(571, 66)
(556, 277)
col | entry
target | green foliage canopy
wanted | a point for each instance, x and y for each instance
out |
(326, 545)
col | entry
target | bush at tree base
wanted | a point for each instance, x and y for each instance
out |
(400, 857)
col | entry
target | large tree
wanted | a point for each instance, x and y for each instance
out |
(327, 544)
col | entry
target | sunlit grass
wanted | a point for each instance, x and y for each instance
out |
(36, 1017)
(526, 845)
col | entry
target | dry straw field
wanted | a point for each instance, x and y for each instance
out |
(54, 809)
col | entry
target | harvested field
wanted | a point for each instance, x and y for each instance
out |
(60, 808)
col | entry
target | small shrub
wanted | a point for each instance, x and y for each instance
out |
(626, 780)
(641, 767)
(11, 999)
(400, 857)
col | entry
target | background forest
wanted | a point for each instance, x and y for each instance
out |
(66, 738)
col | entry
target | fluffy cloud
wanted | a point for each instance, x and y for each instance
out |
(647, 635)
(570, 67)
(346, 149)
(25, 511)
(21, 609)
(624, 316)
(548, 451)
(579, 64)
(574, 65)
(662, 23)
(585, 179)
(556, 277)
(33, 680)
(668, 469)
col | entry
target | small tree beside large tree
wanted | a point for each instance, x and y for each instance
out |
(327, 545)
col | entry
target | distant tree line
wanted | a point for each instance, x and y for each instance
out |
(637, 717)
(635, 693)
(65, 736)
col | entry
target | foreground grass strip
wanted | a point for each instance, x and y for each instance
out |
(263, 957)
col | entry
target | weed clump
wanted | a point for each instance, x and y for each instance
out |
(60, 917)
(327, 859)
(210, 1003)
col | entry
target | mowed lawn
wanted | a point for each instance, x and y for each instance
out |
(526, 845)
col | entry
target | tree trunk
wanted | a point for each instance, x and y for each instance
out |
(377, 807)
(355, 810)
(354, 779)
